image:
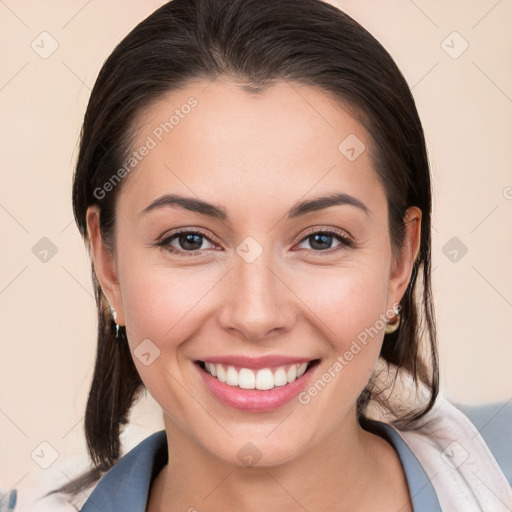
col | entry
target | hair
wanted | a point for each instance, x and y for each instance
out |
(255, 43)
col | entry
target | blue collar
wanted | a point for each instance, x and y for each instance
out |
(422, 493)
(126, 485)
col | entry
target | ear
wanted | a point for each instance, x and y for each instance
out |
(403, 260)
(104, 263)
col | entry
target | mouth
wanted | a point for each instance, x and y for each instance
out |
(263, 378)
(255, 385)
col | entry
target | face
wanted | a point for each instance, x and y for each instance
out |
(254, 281)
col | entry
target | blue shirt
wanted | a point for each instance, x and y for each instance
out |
(126, 485)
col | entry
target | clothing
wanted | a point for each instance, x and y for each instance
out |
(459, 464)
(126, 485)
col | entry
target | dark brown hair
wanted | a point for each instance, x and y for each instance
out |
(254, 43)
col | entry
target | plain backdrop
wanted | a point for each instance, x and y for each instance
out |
(456, 57)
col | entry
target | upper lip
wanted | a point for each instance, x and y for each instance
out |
(257, 362)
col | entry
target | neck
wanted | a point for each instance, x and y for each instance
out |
(349, 470)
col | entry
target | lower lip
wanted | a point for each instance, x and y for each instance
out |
(254, 400)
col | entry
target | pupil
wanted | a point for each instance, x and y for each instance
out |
(321, 238)
(190, 238)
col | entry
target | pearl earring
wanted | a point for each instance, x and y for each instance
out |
(114, 315)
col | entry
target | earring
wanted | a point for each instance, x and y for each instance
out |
(114, 315)
(390, 328)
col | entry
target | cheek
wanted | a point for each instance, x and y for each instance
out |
(346, 300)
(160, 303)
(162, 309)
(349, 309)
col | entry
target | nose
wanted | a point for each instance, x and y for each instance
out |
(257, 303)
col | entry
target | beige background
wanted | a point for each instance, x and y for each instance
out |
(47, 323)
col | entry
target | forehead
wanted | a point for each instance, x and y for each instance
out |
(221, 143)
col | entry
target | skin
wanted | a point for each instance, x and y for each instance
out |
(257, 155)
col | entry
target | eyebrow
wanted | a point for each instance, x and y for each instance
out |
(218, 212)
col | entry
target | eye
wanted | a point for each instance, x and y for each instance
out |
(190, 243)
(321, 241)
(187, 243)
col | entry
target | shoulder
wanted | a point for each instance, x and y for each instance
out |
(494, 423)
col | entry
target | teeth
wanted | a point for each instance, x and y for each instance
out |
(231, 377)
(291, 374)
(221, 373)
(280, 377)
(301, 369)
(262, 379)
(211, 368)
(246, 379)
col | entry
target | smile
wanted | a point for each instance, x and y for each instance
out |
(262, 379)
(255, 384)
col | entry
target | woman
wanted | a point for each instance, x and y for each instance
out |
(253, 187)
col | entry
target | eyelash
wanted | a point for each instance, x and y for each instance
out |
(345, 242)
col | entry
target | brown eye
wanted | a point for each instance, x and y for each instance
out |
(187, 243)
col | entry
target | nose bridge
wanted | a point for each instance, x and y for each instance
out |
(257, 303)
